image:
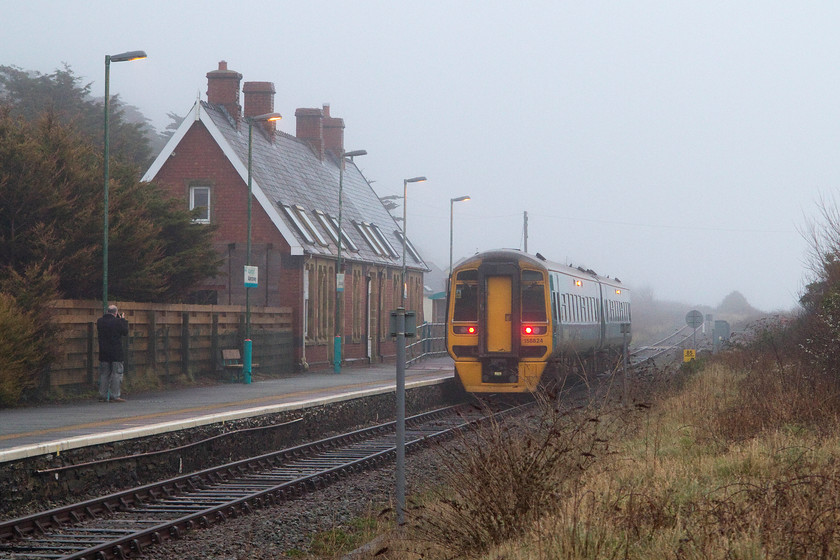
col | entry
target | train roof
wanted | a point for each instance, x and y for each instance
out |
(537, 260)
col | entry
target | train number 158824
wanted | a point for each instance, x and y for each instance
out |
(538, 340)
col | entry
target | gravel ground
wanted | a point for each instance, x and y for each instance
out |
(272, 532)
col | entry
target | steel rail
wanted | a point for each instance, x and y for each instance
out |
(125, 523)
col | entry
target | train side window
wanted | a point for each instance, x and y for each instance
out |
(564, 310)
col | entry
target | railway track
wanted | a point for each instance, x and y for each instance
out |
(668, 344)
(126, 523)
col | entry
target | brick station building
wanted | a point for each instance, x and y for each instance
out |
(294, 217)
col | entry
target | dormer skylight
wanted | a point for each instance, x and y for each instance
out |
(292, 215)
(311, 226)
(384, 241)
(330, 224)
(409, 247)
(369, 236)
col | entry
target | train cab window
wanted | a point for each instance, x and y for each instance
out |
(533, 296)
(466, 296)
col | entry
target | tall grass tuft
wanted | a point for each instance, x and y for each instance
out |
(504, 478)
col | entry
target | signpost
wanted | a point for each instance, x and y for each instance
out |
(693, 319)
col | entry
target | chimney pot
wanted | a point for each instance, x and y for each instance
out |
(333, 132)
(223, 89)
(259, 100)
(310, 128)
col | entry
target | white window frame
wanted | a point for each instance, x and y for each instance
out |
(384, 241)
(380, 247)
(347, 241)
(328, 225)
(309, 225)
(370, 241)
(409, 247)
(193, 190)
(298, 224)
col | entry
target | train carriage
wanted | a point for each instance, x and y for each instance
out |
(511, 315)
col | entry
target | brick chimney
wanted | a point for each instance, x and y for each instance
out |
(333, 132)
(259, 100)
(223, 89)
(310, 128)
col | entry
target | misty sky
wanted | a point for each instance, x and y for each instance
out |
(680, 146)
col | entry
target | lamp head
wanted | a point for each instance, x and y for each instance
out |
(355, 153)
(128, 56)
(415, 180)
(461, 198)
(267, 117)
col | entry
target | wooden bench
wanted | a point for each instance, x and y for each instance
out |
(232, 362)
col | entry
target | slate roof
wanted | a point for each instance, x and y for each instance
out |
(287, 172)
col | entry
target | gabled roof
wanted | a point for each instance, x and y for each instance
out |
(299, 192)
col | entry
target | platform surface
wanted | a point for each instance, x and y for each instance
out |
(32, 431)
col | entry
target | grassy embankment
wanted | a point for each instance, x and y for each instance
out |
(738, 459)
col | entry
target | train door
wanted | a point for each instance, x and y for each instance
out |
(499, 314)
(499, 298)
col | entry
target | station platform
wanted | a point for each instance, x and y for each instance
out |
(34, 431)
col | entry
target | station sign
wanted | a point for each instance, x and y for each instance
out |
(251, 276)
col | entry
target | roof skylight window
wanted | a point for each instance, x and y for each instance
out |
(409, 247)
(298, 224)
(310, 226)
(346, 240)
(384, 241)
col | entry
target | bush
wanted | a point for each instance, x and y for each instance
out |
(18, 355)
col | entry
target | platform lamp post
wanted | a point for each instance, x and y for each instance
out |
(339, 272)
(122, 57)
(452, 202)
(251, 274)
(400, 389)
(405, 234)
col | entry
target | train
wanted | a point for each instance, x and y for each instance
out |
(513, 318)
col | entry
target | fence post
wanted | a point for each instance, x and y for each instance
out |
(185, 343)
(90, 369)
(152, 349)
(214, 341)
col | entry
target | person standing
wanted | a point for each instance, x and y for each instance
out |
(110, 328)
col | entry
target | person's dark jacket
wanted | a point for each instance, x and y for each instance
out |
(111, 329)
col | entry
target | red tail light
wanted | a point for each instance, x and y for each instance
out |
(465, 329)
(529, 330)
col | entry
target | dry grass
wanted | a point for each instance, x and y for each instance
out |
(737, 461)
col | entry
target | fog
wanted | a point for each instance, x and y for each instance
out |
(677, 146)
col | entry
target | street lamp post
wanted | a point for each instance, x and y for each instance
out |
(452, 202)
(122, 57)
(339, 273)
(405, 233)
(247, 361)
(400, 389)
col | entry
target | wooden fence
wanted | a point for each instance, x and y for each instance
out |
(168, 341)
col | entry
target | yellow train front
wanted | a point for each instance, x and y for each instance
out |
(510, 315)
